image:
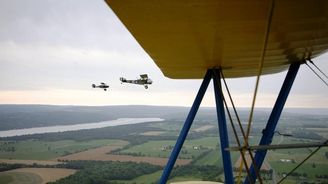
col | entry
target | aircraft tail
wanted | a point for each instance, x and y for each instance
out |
(93, 85)
(122, 79)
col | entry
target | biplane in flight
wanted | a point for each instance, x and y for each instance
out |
(143, 80)
(220, 39)
(102, 85)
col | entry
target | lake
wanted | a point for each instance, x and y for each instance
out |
(83, 126)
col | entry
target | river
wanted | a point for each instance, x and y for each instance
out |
(83, 126)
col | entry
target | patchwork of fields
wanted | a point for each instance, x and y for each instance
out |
(103, 154)
(152, 143)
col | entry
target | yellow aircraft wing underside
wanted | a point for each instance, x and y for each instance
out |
(187, 37)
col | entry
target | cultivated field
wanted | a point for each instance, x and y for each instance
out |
(191, 148)
(19, 178)
(101, 154)
(44, 150)
(153, 133)
(203, 128)
(35, 175)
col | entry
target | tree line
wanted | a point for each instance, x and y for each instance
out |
(100, 172)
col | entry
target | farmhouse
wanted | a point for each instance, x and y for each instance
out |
(285, 160)
(166, 147)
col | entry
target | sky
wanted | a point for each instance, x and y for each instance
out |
(52, 51)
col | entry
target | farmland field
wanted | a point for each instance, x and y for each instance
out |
(147, 178)
(102, 154)
(19, 178)
(191, 148)
(44, 150)
(153, 133)
(35, 175)
(211, 158)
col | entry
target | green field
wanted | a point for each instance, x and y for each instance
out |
(308, 168)
(154, 177)
(308, 171)
(19, 178)
(42, 150)
(211, 158)
(185, 178)
(156, 148)
(5, 178)
(315, 166)
(298, 155)
(144, 179)
(214, 158)
(168, 126)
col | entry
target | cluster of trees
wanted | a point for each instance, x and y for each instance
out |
(100, 172)
(265, 174)
(307, 135)
(135, 154)
(324, 176)
(8, 149)
(297, 174)
(8, 146)
(7, 167)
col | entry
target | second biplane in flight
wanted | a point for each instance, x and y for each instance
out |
(102, 86)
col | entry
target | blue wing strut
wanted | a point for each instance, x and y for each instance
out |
(268, 132)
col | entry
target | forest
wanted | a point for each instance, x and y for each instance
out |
(92, 172)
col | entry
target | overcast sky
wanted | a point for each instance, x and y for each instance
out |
(52, 51)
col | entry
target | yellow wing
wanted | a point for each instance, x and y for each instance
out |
(187, 37)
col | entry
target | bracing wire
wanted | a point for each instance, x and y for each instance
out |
(319, 147)
(235, 132)
(317, 74)
(301, 163)
(323, 73)
(265, 43)
(233, 105)
(257, 172)
(238, 142)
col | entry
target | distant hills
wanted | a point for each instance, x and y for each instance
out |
(27, 116)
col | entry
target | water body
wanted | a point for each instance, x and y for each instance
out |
(84, 126)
